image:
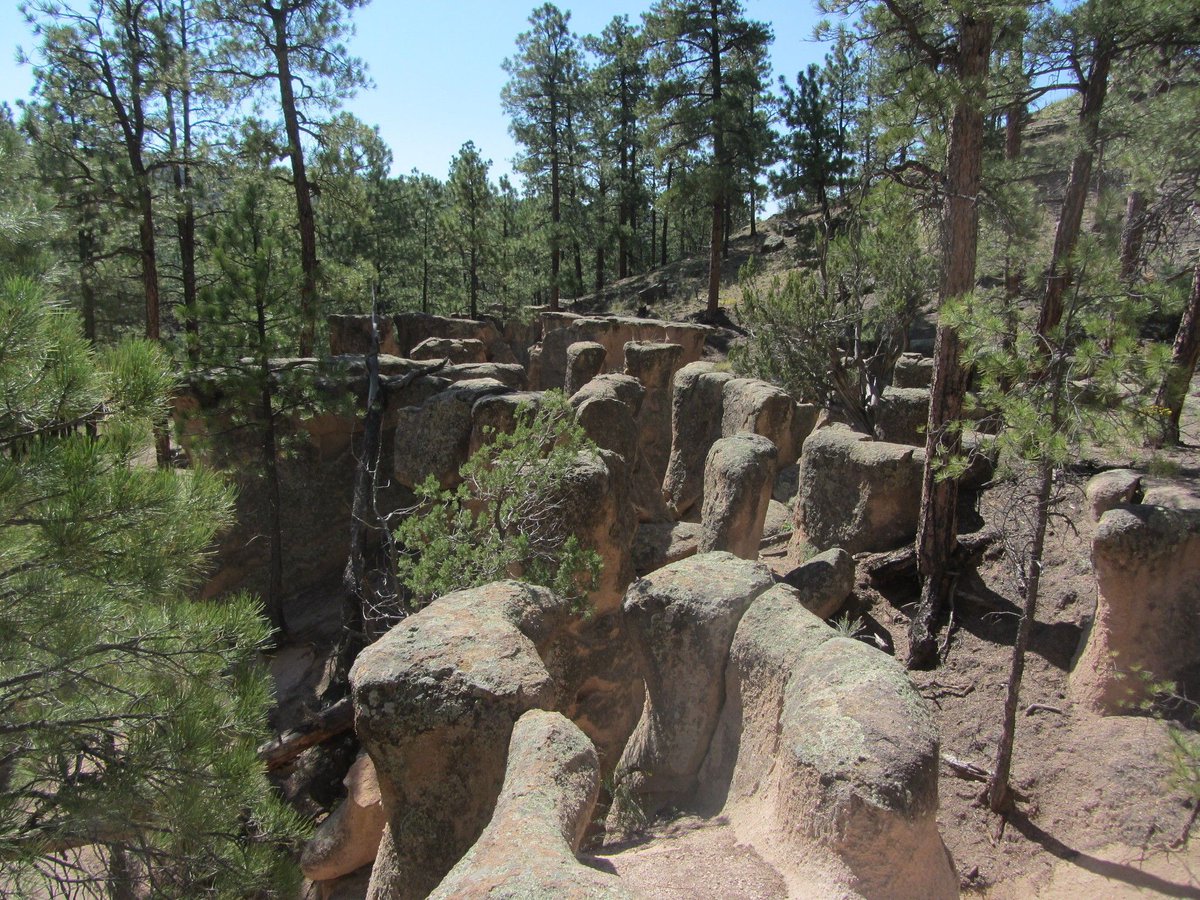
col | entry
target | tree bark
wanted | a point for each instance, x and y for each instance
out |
(938, 523)
(306, 219)
(718, 199)
(1173, 391)
(1066, 235)
(1133, 235)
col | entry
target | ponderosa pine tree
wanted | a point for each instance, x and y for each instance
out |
(545, 80)
(469, 218)
(707, 59)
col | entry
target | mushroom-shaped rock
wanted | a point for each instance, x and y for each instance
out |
(697, 405)
(825, 750)
(738, 475)
(528, 848)
(1147, 563)
(585, 360)
(349, 838)
(654, 365)
(856, 493)
(435, 700)
(824, 582)
(1110, 489)
(681, 620)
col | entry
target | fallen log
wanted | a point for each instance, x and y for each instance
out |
(328, 723)
(885, 568)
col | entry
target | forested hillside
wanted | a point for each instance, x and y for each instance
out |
(1024, 175)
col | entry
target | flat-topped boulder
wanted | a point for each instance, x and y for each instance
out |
(455, 350)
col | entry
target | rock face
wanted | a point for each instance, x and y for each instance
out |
(654, 365)
(457, 351)
(405, 331)
(913, 371)
(560, 330)
(824, 747)
(528, 848)
(824, 582)
(738, 476)
(435, 438)
(902, 416)
(349, 838)
(856, 493)
(659, 544)
(761, 408)
(1147, 564)
(697, 405)
(681, 620)
(435, 701)
(585, 360)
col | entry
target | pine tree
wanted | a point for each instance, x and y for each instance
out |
(472, 199)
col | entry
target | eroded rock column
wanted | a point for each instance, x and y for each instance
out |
(738, 476)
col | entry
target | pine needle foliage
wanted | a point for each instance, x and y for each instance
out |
(506, 518)
(129, 715)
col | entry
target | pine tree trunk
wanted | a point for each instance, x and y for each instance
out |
(1133, 235)
(938, 523)
(998, 790)
(714, 262)
(1066, 236)
(555, 218)
(303, 190)
(1173, 391)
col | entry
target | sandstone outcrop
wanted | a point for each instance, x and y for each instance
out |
(1111, 489)
(349, 837)
(681, 620)
(528, 848)
(435, 702)
(913, 371)
(585, 360)
(823, 583)
(1147, 564)
(654, 365)
(455, 350)
(856, 493)
(738, 476)
(902, 415)
(435, 438)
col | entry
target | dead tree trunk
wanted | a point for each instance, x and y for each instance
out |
(1184, 354)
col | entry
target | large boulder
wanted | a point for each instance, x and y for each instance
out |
(681, 620)
(528, 848)
(1147, 564)
(856, 493)
(738, 476)
(1111, 489)
(411, 328)
(435, 700)
(913, 371)
(823, 583)
(827, 754)
(761, 408)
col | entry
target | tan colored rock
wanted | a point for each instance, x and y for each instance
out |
(823, 583)
(760, 408)
(352, 334)
(349, 837)
(435, 700)
(827, 755)
(528, 848)
(456, 350)
(738, 475)
(856, 493)
(509, 374)
(495, 414)
(585, 360)
(1111, 489)
(681, 619)
(654, 365)
(697, 406)
(805, 419)
(1147, 564)
(411, 328)
(777, 527)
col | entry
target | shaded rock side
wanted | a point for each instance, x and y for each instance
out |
(435, 700)
(681, 620)
(827, 758)
(585, 360)
(856, 493)
(1147, 564)
(697, 406)
(435, 438)
(823, 583)
(654, 365)
(528, 848)
(738, 476)
(913, 371)
(902, 415)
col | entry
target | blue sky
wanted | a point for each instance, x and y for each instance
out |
(436, 67)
